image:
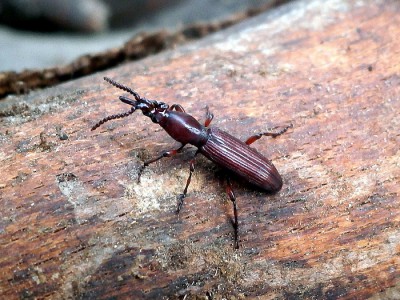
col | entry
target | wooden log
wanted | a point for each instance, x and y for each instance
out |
(76, 224)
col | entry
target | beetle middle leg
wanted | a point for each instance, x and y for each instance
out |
(164, 154)
(182, 196)
(274, 134)
(235, 223)
(209, 117)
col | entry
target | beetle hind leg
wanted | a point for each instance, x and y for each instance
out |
(235, 222)
(273, 134)
(182, 196)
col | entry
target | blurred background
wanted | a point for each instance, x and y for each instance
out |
(36, 34)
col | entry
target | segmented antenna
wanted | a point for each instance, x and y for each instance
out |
(112, 117)
(124, 88)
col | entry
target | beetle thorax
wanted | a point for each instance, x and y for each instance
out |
(182, 127)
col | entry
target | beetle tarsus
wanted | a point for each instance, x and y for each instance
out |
(273, 134)
(282, 131)
(181, 197)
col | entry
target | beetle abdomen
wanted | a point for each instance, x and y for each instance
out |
(233, 154)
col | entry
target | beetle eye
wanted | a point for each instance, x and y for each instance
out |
(162, 105)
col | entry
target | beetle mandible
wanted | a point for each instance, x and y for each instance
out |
(217, 145)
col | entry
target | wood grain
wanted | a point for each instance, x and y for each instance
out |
(76, 224)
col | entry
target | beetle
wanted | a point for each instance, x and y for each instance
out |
(215, 144)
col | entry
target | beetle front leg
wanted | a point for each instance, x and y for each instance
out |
(177, 107)
(182, 196)
(164, 154)
(235, 223)
(256, 137)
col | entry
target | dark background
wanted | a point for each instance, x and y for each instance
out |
(38, 34)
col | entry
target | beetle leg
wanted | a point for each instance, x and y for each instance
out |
(164, 154)
(209, 117)
(235, 223)
(182, 196)
(177, 107)
(274, 134)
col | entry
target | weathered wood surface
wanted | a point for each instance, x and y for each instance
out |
(76, 224)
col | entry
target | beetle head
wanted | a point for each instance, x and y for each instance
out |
(150, 108)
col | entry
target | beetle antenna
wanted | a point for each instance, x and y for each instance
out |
(112, 117)
(124, 88)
